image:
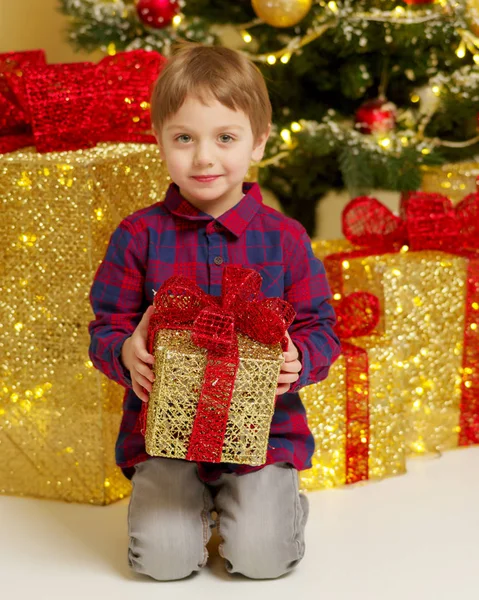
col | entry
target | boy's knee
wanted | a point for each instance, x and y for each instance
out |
(167, 560)
(260, 554)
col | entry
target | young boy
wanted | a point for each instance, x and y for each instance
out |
(211, 115)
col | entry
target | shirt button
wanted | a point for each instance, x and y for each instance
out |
(218, 260)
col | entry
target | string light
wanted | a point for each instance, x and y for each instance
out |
(461, 50)
(286, 135)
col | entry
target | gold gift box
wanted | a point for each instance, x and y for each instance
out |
(423, 298)
(454, 180)
(179, 371)
(59, 417)
(383, 434)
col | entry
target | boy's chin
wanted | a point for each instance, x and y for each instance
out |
(214, 191)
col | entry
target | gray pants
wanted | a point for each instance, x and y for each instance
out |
(261, 520)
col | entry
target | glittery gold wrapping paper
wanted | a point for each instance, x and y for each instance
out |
(454, 180)
(59, 417)
(326, 407)
(179, 371)
(423, 295)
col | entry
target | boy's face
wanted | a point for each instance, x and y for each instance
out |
(208, 151)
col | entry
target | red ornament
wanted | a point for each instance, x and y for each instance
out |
(157, 13)
(414, 2)
(376, 116)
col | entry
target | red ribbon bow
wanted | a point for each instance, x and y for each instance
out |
(357, 315)
(74, 106)
(431, 223)
(215, 323)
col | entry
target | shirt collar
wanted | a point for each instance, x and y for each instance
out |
(235, 220)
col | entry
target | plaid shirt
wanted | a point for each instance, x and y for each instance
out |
(175, 238)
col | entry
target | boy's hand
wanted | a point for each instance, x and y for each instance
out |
(289, 369)
(136, 358)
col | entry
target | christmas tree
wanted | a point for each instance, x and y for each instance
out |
(364, 92)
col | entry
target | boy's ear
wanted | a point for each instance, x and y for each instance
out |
(260, 144)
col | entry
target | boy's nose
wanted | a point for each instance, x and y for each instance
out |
(203, 156)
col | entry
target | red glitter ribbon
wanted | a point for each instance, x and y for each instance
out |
(357, 315)
(431, 222)
(74, 106)
(214, 323)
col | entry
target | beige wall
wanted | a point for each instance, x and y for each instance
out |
(36, 24)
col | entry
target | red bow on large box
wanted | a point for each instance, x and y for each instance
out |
(75, 106)
(431, 223)
(215, 323)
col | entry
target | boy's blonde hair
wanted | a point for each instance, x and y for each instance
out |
(211, 71)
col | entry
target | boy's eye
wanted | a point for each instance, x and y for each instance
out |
(183, 139)
(225, 138)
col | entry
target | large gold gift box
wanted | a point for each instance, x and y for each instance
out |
(179, 374)
(455, 180)
(362, 441)
(59, 417)
(423, 295)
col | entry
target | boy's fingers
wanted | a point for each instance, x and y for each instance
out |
(282, 389)
(288, 377)
(144, 356)
(291, 367)
(145, 370)
(141, 332)
(291, 353)
(144, 382)
(139, 392)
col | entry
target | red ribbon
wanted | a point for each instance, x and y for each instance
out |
(214, 323)
(75, 106)
(357, 315)
(430, 222)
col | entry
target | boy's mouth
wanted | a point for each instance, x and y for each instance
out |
(206, 178)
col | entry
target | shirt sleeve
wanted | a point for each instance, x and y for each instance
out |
(307, 289)
(118, 302)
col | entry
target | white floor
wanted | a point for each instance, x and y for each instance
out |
(414, 537)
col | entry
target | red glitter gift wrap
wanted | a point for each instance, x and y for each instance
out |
(75, 106)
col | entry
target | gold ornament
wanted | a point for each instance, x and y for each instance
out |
(281, 13)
